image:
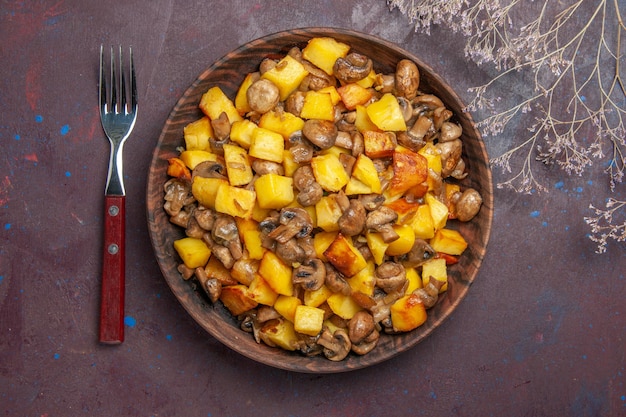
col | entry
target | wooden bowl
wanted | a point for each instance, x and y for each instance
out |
(228, 72)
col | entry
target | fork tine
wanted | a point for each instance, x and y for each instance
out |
(133, 82)
(122, 108)
(102, 83)
(113, 83)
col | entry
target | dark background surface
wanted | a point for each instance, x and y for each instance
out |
(541, 332)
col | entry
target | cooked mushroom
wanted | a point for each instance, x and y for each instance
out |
(321, 133)
(300, 148)
(371, 201)
(352, 68)
(336, 345)
(262, 167)
(181, 218)
(406, 108)
(222, 253)
(214, 289)
(352, 221)
(382, 220)
(294, 222)
(368, 344)
(422, 126)
(205, 217)
(310, 275)
(385, 83)
(335, 281)
(410, 142)
(177, 195)
(209, 169)
(449, 131)
(290, 252)
(468, 205)
(226, 233)
(221, 127)
(360, 326)
(185, 271)
(265, 313)
(390, 277)
(450, 155)
(316, 79)
(429, 294)
(419, 253)
(407, 79)
(295, 102)
(263, 95)
(310, 192)
(193, 228)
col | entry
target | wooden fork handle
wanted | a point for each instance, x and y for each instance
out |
(113, 268)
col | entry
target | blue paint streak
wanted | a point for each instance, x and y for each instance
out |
(17, 137)
(68, 174)
(544, 224)
(39, 118)
(168, 337)
(130, 321)
(579, 189)
(534, 214)
(1, 278)
(7, 226)
(559, 185)
(56, 356)
(65, 129)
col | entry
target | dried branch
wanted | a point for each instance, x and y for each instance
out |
(568, 56)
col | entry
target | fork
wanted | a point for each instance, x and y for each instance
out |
(118, 119)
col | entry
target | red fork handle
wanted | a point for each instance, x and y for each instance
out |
(113, 268)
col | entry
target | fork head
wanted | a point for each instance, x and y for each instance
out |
(117, 114)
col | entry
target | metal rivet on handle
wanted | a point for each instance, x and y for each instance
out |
(113, 248)
(114, 210)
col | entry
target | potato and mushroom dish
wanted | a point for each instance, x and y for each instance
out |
(316, 202)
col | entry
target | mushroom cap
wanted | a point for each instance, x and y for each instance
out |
(321, 133)
(352, 68)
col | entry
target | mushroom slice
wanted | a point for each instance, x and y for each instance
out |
(352, 221)
(213, 289)
(368, 344)
(300, 148)
(310, 275)
(310, 192)
(209, 169)
(336, 282)
(294, 222)
(371, 201)
(290, 252)
(221, 127)
(429, 294)
(352, 68)
(226, 233)
(419, 253)
(382, 220)
(177, 195)
(262, 167)
(450, 155)
(336, 345)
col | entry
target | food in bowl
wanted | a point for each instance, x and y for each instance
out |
(319, 202)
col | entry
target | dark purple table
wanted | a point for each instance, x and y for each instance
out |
(541, 333)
